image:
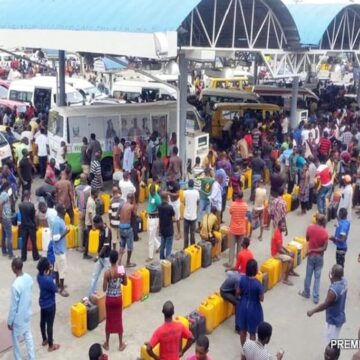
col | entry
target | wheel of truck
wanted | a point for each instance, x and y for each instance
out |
(107, 168)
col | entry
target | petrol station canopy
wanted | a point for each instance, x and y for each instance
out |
(157, 28)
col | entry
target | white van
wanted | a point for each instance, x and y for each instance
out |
(88, 91)
(133, 122)
(5, 60)
(41, 91)
(142, 91)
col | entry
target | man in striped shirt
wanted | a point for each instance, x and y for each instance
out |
(278, 210)
(324, 147)
(95, 173)
(255, 349)
(116, 203)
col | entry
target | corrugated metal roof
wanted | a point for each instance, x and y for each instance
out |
(135, 16)
(312, 20)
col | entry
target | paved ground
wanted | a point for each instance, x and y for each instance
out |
(293, 331)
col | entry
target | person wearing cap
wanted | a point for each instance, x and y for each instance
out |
(206, 183)
(317, 237)
(346, 197)
(169, 335)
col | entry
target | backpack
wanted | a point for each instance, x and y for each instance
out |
(99, 207)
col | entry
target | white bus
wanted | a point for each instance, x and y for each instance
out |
(41, 91)
(129, 121)
(142, 91)
(88, 91)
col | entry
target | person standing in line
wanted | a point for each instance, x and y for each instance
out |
(20, 312)
(255, 349)
(95, 173)
(175, 171)
(259, 206)
(59, 232)
(25, 169)
(346, 199)
(278, 210)
(191, 199)
(154, 201)
(116, 203)
(117, 154)
(126, 186)
(82, 192)
(325, 177)
(43, 151)
(206, 183)
(249, 312)
(341, 236)
(158, 170)
(113, 279)
(7, 207)
(47, 303)
(334, 304)
(85, 158)
(89, 223)
(50, 176)
(166, 228)
(238, 228)
(258, 167)
(126, 231)
(169, 335)
(243, 257)
(64, 194)
(174, 194)
(215, 197)
(129, 157)
(28, 226)
(93, 148)
(102, 260)
(317, 237)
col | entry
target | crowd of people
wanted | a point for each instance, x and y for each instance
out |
(316, 163)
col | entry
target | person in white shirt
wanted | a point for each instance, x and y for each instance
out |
(346, 197)
(216, 195)
(284, 125)
(191, 199)
(29, 135)
(42, 144)
(255, 349)
(126, 186)
(129, 156)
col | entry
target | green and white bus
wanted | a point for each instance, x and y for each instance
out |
(128, 121)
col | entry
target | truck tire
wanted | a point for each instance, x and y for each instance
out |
(107, 168)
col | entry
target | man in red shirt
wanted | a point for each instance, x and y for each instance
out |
(278, 251)
(317, 237)
(324, 174)
(243, 256)
(238, 226)
(324, 147)
(169, 335)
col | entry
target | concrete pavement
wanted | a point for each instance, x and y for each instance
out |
(299, 336)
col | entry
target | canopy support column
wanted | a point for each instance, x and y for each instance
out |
(182, 107)
(61, 99)
(294, 97)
